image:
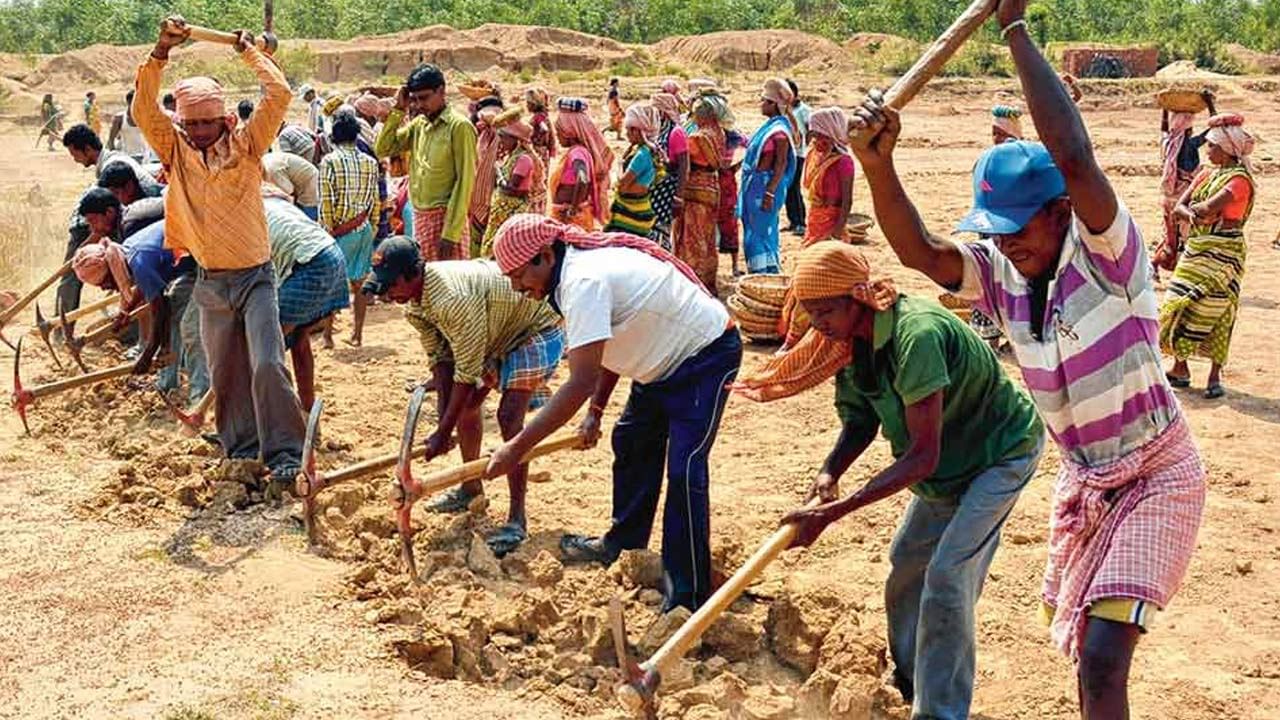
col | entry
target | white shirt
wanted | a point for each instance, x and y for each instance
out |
(651, 316)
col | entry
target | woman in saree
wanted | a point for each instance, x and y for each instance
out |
(579, 184)
(673, 141)
(643, 166)
(1181, 160)
(767, 172)
(483, 112)
(543, 139)
(520, 187)
(1199, 311)
(827, 183)
(698, 215)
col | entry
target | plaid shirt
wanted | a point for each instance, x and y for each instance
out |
(348, 186)
(470, 316)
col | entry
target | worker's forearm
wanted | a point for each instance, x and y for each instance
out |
(849, 447)
(558, 411)
(459, 397)
(1057, 119)
(604, 390)
(898, 217)
(388, 142)
(902, 474)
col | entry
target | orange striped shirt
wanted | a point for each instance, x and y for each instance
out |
(213, 208)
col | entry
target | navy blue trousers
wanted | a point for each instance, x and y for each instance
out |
(673, 423)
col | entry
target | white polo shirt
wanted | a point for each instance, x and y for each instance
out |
(652, 316)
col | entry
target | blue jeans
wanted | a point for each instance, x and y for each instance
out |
(939, 557)
(673, 422)
(184, 341)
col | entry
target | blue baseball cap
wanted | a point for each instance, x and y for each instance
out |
(1011, 182)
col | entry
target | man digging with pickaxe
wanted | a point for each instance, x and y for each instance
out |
(214, 211)
(143, 271)
(478, 333)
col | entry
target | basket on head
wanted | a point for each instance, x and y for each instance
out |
(477, 90)
(962, 308)
(763, 288)
(1181, 100)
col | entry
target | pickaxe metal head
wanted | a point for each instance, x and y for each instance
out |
(309, 482)
(636, 694)
(74, 344)
(192, 420)
(406, 487)
(44, 326)
(21, 397)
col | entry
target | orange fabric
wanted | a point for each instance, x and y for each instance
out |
(826, 269)
(213, 208)
(1241, 195)
(93, 262)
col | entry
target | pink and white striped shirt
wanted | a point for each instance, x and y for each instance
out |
(1095, 375)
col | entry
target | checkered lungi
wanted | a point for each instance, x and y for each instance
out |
(314, 290)
(530, 366)
(428, 226)
(1123, 530)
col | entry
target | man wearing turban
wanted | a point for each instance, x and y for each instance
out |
(214, 212)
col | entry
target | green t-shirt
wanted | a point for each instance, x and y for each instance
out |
(917, 349)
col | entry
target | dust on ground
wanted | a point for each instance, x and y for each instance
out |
(146, 578)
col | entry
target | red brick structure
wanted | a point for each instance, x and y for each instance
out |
(1103, 61)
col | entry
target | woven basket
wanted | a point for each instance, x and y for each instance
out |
(478, 91)
(382, 91)
(756, 328)
(763, 338)
(741, 303)
(859, 222)
(767, 289)
(1181, 100)
(752, 320)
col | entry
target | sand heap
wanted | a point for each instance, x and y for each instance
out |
(510, 47)
(754, 50)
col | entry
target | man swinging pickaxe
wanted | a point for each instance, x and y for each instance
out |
(23, 397)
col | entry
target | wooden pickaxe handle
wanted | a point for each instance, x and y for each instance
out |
(693, 629)
(81, 311)
(474, 470)
(110, 329)
(10, 312)
(932, 61)
(58, 386)
(220, 37)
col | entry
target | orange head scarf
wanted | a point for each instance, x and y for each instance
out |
(200, 98)
(827, 269)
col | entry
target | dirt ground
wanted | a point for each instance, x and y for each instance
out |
(140, 579)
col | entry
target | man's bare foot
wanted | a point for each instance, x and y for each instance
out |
(354, 341)
(328, 342)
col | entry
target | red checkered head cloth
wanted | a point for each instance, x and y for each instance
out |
(524, 235)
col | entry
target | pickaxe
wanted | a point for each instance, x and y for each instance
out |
(24, 397)
(76, 344)
(193, 419)
(45, 326)
(311, 481)
(12, 311)
(406, 490)
(637, 692)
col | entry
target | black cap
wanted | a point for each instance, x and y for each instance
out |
(395, 257)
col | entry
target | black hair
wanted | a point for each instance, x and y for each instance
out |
(117, 174)
(244, 109)
(425, 77)
(81, 137)
(345, 126)
(795, 90)
(167, 100)
(98, 200)
(128, 97)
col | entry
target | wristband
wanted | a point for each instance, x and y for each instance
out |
(1004, 32)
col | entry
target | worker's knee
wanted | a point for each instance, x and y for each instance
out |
(1104, 660)
(511, 415)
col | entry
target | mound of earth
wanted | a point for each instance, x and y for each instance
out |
(754, 50)
(511, 47)
(871, 44)
(1251, 61)
(1183, 69)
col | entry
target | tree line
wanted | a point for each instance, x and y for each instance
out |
(1183, 29)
